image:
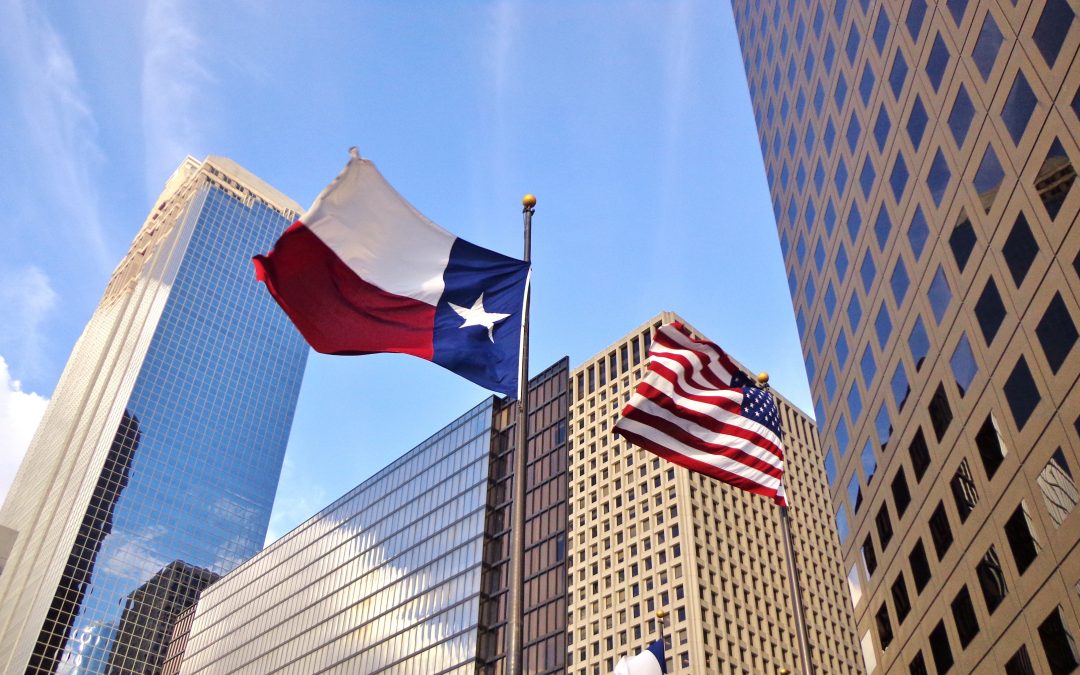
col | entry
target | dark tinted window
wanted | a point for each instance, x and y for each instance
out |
(920, 454)
(1057, 333)
(884, 526)
(884, 627)
(987, 46)
(990, 311)
(991, 580)
(938, 62)
(900, 599)
(940, 412)
(1019, 663)
(1021, 536)
(960, 117)
(940, 531)
(901, 494)
(939, 647)
(1058, 645)
(962, 241)
(991, 450)
(920, 567)
(916, 125)
(1053, 26)
(967, 625)
(1021, 393)
(1020, 249)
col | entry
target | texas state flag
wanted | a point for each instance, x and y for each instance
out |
(364, 272)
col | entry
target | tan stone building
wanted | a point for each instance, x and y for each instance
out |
(921, 163)
(646, 535)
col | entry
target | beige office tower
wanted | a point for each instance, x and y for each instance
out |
(921, 162)
(648, 536)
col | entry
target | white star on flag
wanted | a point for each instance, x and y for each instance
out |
(478, 316)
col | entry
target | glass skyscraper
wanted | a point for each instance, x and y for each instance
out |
(921, 163)
(407, 573)
(155, 466)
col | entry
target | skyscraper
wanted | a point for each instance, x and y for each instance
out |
(157, 460)
(407, 573)
(646, 535)
(920, 157)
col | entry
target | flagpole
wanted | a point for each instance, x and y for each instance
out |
(515, 606)
(793, 574)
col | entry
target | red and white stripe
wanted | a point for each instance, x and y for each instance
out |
(687, 411)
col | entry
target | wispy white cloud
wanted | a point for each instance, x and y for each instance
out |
(174, 81)
(20, 412)
(26, 301)
(57, 120)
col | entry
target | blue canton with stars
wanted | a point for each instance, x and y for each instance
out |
(758, 404)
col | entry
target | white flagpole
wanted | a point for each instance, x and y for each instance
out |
(516, 604)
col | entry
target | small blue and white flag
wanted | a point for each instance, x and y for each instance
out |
(649, 662)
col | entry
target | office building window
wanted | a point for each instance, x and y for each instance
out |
(1019, 663)
(884, 627)
(960, 117)
(962, 241)
(917, 665)
(1056, 332)
(884, 525)
(991, 448)
(901, 494)
(916, 127)
(940, 412)
(987, 46)
(940, 294)
(938, 62)
(1059, 646)
(1056, 484)
(1020, 249)
(963, 364)
(918, 343)
(990, 311)
(900, 599)
(1021, 536)
(963, 490)
(1055, 179)
(919, 453)
(869, 557)
(991, 580)
(940, 649)
(920, 566)
(1019, 105)
(940, 531)
(967, 625)
(1021, 393)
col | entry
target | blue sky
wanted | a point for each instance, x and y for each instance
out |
(630, 121)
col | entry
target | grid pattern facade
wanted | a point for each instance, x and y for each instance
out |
(544, 629)
(408, 573)
(646, 535)
(920, 157)
(384, 580)
(164, 438)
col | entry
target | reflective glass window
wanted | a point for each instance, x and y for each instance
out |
(987, 46)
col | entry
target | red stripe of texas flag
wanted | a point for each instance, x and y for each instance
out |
(354, 316)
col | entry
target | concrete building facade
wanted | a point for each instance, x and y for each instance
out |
(921, 162)
(647, 536)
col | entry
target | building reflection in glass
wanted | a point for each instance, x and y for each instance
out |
(165, 436)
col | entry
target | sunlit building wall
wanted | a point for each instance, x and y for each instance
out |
(408, 572)
(646, 535)
(164, 438)
(921, 162)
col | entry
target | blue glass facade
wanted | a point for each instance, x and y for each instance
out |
(176, 435)
(387, 579)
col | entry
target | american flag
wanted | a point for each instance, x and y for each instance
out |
(696, 408)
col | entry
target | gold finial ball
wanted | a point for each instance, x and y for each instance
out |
(528, 201)
(763, 377)
(661, 614)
